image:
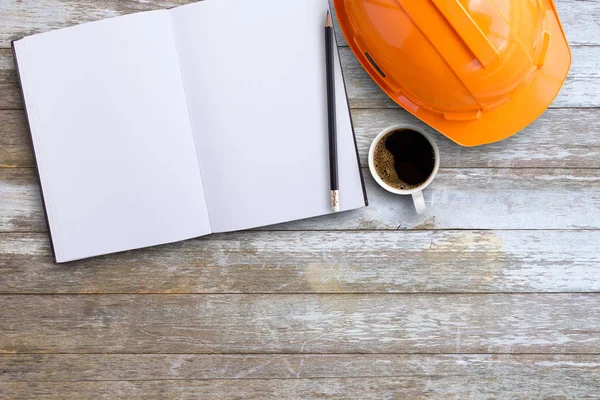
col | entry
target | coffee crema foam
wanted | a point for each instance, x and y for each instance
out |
(384, 165)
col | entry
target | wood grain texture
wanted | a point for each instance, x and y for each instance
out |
(580, 90)
(470, 198)
(538, 370)
(338, 323)
(560, 138)
(10, 94)
(479, 199)
(403, 387)
(7, 67)
(302, 376)
(563, 138)
(15, 143)
(581, 19)
(319, 262)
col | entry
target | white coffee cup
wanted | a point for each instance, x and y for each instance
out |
(417, 192)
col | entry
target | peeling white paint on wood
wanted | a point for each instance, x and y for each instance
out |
(320, 262)
(468, 198)
(325, 323)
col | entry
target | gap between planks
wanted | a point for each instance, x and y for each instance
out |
(355, 293)
(283, 354)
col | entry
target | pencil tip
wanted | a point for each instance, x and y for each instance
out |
(328, 21)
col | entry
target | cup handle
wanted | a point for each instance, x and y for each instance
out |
(419, 201)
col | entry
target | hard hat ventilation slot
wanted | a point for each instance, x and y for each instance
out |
(374, 64)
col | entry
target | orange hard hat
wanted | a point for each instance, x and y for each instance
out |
(478, 71)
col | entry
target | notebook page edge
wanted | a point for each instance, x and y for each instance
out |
(27, 106)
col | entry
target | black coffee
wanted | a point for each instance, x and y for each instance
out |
(404, 159)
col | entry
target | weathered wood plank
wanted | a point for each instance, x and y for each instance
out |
(560, 138)
(461, 376)
(10, 97)
(580, 90)
(457, 199)
(20, 202)
(7, 67)
(338, 323)
(480, 199)
(319, 262)
(448, 376)
(536, 371)
(22, 18)
(401, 387)
(15, 143)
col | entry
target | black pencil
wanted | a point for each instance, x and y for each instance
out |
(333, 159)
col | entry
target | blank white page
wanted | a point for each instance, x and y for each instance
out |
(254, 76)
(112, 136)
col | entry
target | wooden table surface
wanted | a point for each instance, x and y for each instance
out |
(494, 293)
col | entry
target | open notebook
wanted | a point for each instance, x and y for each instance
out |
(167, 125)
